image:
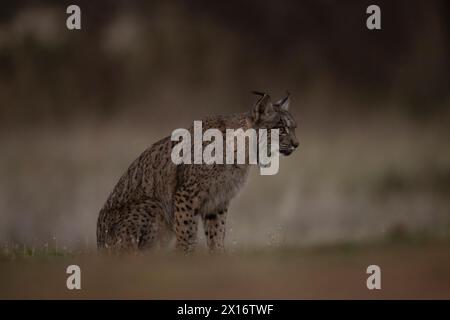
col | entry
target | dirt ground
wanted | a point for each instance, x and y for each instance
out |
(408, 271)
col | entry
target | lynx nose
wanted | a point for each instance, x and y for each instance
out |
(296, 144)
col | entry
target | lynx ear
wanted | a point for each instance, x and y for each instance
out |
(284, 103)
(263, 109)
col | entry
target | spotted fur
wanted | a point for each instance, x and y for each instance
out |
(156, 200)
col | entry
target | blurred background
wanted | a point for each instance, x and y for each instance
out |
(77, 107)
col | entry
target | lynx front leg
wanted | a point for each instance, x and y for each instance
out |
(214, 226)
(186, 221)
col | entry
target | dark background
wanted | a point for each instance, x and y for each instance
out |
(136, 55)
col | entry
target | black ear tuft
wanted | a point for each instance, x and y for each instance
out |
(258, 93)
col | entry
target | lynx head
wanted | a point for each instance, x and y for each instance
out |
(268, 115)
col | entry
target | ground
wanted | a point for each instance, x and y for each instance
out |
(409, 270)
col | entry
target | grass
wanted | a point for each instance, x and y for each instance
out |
(411, 268)
(13, 252)
(332, 272)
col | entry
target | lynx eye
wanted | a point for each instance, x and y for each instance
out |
(284, 130)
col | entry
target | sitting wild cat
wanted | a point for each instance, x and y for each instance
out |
(156, 200)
